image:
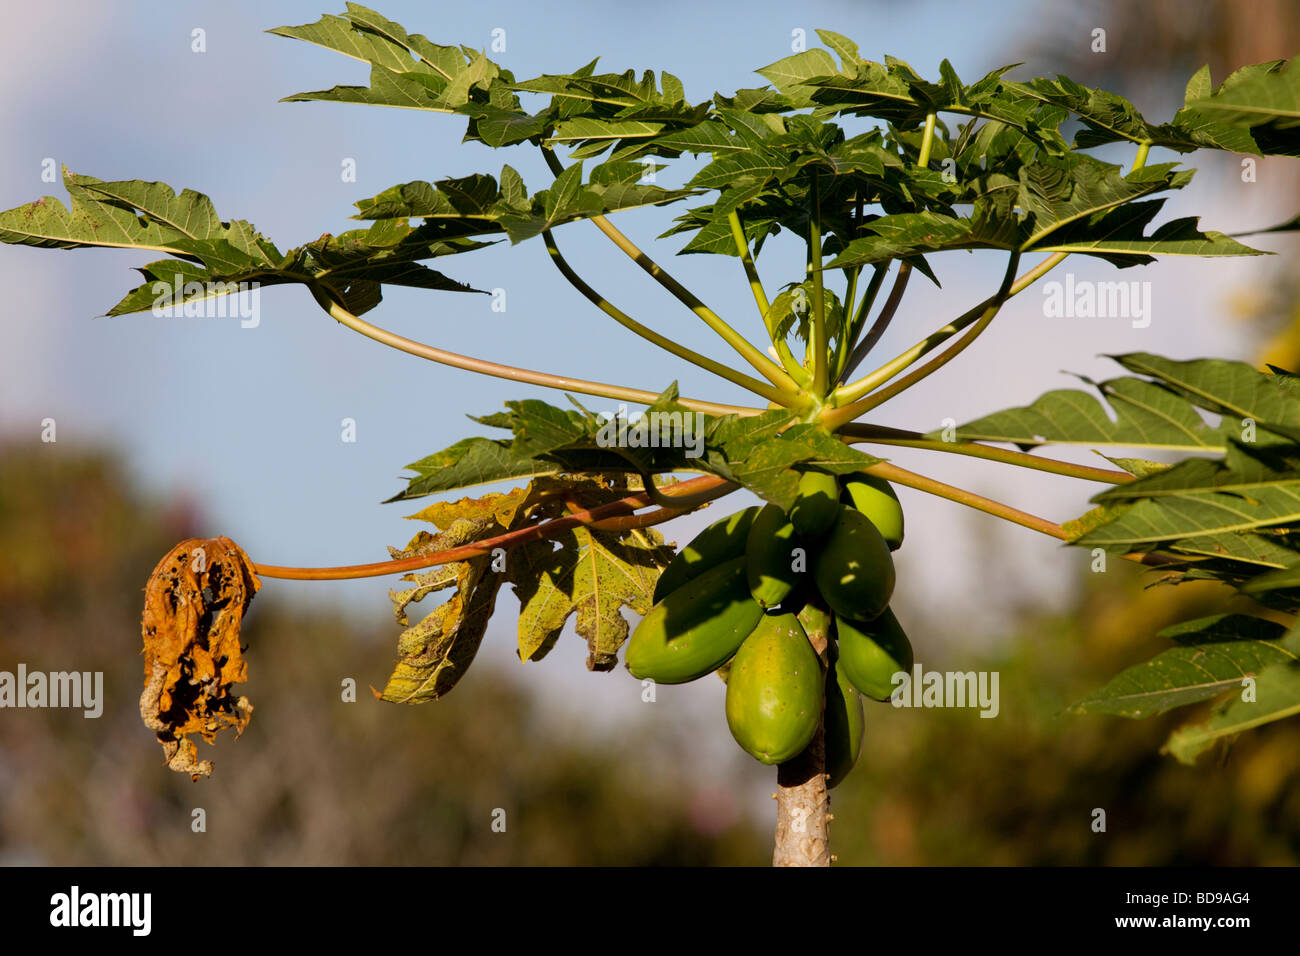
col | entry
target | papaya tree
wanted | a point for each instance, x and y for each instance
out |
(877, 171)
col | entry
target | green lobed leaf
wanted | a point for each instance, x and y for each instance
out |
(1145, 416)
(1277, 696)
(478, 205)
(1213, 655)
(216, 258)
(1264, 98)
(406, 70)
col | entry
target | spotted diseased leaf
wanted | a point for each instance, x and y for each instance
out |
(1092, 520)
(590, 576)
(195, 602)
(583, 573)
(435, 652)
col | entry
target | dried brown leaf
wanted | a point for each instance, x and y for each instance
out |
(194, 604)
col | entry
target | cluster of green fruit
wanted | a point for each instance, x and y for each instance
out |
(742, 597)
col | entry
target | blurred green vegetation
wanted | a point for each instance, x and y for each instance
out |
(946, 786)
(318, 781)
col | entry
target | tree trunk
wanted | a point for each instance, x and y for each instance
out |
(803, 809)
(802, 801)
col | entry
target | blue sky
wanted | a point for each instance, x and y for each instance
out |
(247, 421)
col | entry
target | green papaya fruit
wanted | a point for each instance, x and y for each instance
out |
(844, 725)
(818, 504)
(719, 542)
(770, 558)
(872, 652)
(696, 628)
(853, 570)
(774, 690)
(875, 498)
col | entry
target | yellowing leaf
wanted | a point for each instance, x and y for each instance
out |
(581, 573)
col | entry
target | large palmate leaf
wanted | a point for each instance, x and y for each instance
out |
(1276, 696)
(1212, 657)
(765, 453)
(217, 258)
(1210, 506)
(1074, 204)
(435, 652)
(1263, 99)
(406, 70)
(1159, 411)
(1178, 237)
(549, 440)
(127, 215)
(479, 205)
(1232, 517)
(771, 469)
(1252, 664)
(894, 92)
(1108, 117)
(589, 577)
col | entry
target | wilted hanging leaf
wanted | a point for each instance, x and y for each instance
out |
(194, 604)
(582, 573)
(436, 652)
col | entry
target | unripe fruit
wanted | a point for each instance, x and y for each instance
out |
(875, 498)
(696, 628)
(719, 542)
(770, 558)
(872, 652)
(774, 690)
(817, 506)
(844, 725)
(853, 569)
